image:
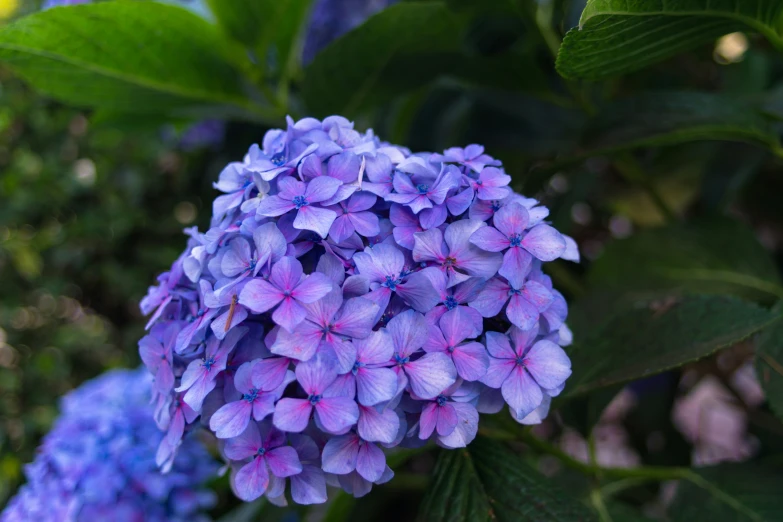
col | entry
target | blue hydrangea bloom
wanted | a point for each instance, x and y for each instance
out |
(98, 462)
(351, 296)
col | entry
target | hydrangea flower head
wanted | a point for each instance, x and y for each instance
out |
(349, 296)
(98, 462)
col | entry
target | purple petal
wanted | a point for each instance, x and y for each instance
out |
(268, 374)
(428, 420)
(378, 426)
(309, 487)
(455, 329)
(319, 220)
(321, 188)
(375, 385)
(418, 292)
(471, 361)
(340, 454)
(548, 364)
(433, 217)
(283, 461)
(544, 242)
(371, 462)
(490, 239)
(313, 287)
(521, 312)
(236, 258)
(366, 224)
(336, 413)
(447, 419)
(429, 246)
(272, 206)
(231, 419)
(342, 228)
(516, 265)
(466, 429)
(290, 313)
(492, 297)
(431, 374)
(538, 295)
(521, 392)
(251, 481)
(377, 348)
(460, 202)
(356, 318)
(344, 166)
(244, 445)
(316, 374)
(259, 296)
(408, 332)
(292, 415)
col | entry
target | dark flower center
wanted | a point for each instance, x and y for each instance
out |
(440, 400)
(451, 303)
(299, 202)
(513, 291)
(208, 363)
(314, 399)
(260, 452)
(401, 360)
(515, 239)
(449, 262)
(520, 361)
(356, 366)
(495, 206)
(252, 396)
(278, 159)
(390, 282)
(422, 188)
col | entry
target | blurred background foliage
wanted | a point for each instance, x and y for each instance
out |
(665, 167)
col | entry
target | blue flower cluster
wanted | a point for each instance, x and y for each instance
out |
(351, 295)
(98, 462)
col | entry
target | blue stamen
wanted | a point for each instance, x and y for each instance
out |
(401, 360)
(278, 159)
(252, 396)
(422, 188)
(441, 400)
(208, 363)
(314, 399)
(451, 303)
(516, 240)
(299, 202)
(356, 367)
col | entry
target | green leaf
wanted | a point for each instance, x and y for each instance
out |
(769, 366)
(649, 337)
(716, 255)
(489, 482)
(618, 36)
(669, 118)
(127, 56)
(398, 49)
(259, 24)
(730, 493)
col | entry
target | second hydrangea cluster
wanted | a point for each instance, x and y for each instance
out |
(351, 296)
(98, 462)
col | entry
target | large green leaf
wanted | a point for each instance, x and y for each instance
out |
(398, 48)
(127, 56)
(489, 482)
(668, 118)
(730, 493)
(769, 366)
(716, 255)
(648, 337)
(261, 24)
(618, 36)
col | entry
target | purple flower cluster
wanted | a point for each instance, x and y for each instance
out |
(348, 296)
(98, 462)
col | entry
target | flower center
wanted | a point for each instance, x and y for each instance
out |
(495, 206)
(252, 396)
(520, 361)
(260, 452)
(515, 239)
(390, 282)
(356, 366)
(299, 202)
(314, 399)
(401, 360)
(278, 159)
(513, 291)
(440, 400)
(451, 302)
(208, 363)
(422, 188)
(449, 262)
